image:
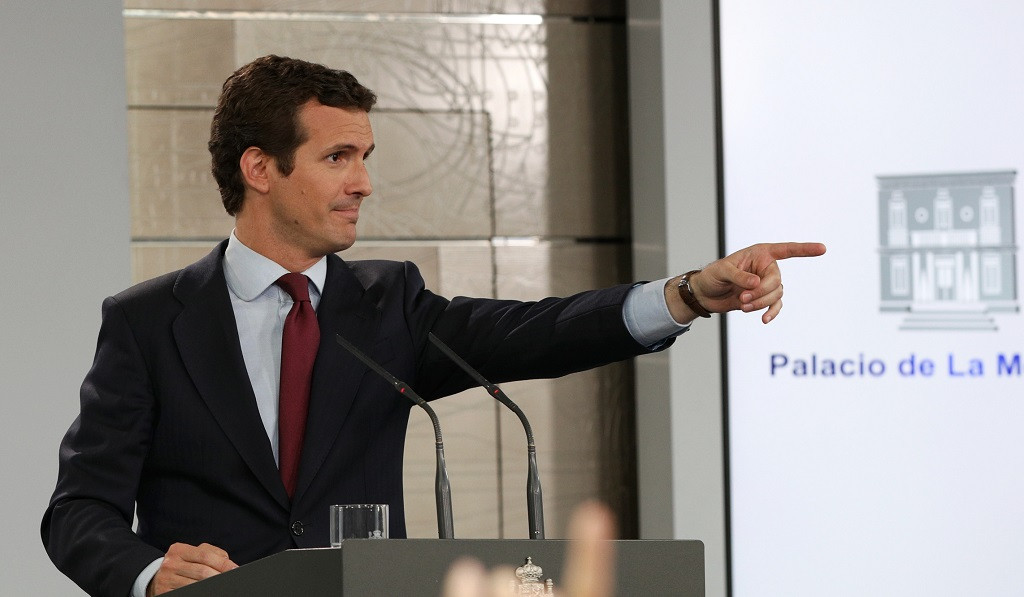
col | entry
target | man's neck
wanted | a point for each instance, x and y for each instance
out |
(290, 258)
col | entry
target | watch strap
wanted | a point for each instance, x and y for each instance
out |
(686, 293)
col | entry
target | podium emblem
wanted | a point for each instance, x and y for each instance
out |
(529, 583)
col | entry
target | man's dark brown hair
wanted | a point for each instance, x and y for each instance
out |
(259, 107)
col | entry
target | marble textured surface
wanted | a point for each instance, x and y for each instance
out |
(605, 8)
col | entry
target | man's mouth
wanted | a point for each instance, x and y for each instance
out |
(351, 211)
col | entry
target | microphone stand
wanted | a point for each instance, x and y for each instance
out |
(442, 488)
(534, 495)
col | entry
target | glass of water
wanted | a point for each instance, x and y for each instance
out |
(358, 521)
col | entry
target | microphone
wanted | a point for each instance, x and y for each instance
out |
(442, 488)
(534, 497)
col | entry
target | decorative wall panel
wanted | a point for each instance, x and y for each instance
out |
(174, 195)
(172, 62)
(431, 177)
(589, 8)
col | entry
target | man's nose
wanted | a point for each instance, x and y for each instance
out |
(360, 183)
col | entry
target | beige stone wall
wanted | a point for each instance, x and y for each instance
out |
(501, 169)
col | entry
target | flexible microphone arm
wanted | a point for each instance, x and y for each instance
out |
(534, 495)
(442, 488)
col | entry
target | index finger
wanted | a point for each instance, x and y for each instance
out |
(590, 562)
(465, 578)
(787, 250)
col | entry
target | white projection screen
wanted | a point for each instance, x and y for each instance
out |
(876, 428)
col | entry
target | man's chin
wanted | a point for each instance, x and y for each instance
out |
(343, 245)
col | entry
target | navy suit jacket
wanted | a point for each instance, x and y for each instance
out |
(169, 429)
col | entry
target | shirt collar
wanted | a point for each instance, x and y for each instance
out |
(249, 274)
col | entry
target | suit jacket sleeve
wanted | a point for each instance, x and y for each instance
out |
(87, 528)
(511, 340)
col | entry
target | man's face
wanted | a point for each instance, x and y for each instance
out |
(315, 208)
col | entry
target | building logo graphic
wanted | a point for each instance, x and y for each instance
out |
(948, 251)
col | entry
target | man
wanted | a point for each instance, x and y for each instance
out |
(221, 411)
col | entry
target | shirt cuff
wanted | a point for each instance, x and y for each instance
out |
(142, 580)
(646, 315)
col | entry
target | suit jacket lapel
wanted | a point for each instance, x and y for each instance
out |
(207, 339)
(345, 310)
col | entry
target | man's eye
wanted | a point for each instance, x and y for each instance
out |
(334, 157)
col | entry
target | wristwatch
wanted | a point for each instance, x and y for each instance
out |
(686, 293)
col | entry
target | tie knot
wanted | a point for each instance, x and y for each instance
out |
(296, 285)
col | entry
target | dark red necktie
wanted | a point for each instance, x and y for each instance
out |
(299, 344)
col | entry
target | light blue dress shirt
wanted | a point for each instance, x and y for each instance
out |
(260, 308)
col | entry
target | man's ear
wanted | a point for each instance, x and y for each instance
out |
(255, 166)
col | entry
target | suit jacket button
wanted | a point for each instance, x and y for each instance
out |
(297, 528)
